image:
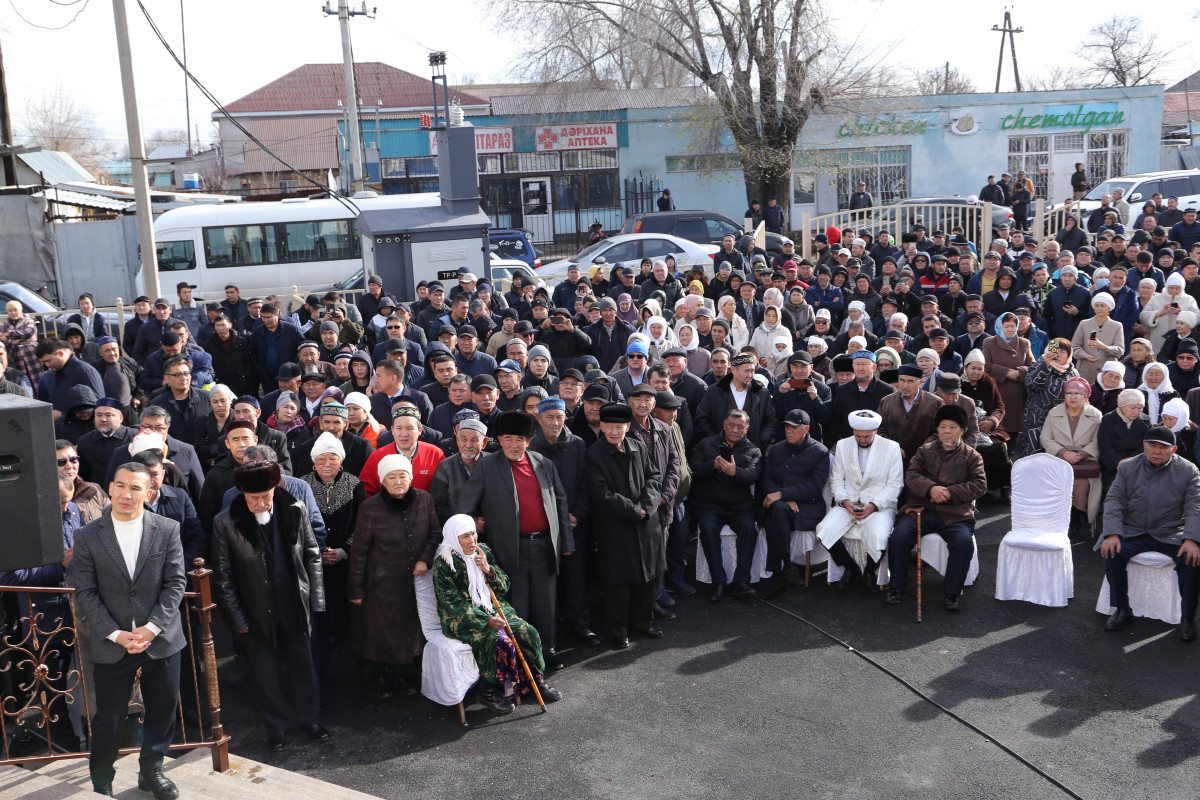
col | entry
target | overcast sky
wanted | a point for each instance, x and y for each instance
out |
(237, 47)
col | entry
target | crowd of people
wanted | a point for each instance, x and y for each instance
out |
(523, 448)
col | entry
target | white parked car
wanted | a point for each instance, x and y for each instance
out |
(1183, 184)
(630, 248)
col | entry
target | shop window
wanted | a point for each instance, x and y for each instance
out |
(884, 170)
(1068, 142)
(533, 162)
(489, 165)
(568, 190)
(602, 190)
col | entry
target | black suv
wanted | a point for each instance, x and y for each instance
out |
(701, 227)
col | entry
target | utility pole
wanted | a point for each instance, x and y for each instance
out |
(344, 13)
(9, 160)
(1009, 31)
(137, 155)
(187, 103)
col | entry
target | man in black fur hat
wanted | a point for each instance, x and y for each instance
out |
(267, 577)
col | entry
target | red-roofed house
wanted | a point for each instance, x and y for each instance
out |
(298, 116)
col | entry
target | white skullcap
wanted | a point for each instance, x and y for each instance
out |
(146, 441)
(1114, 366)
(328, 443)
(1187, 317)
(358, 399)
(857, 305)
(929, 352)
(862, 340)
(1150, 281)
(973, 356)
(1103, 299)
(865, 420)
(392, 463)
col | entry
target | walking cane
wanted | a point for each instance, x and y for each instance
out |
(520, 655)
(918, 511)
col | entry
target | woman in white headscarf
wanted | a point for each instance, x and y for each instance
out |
(1098, 339)
(763, 340)
(1156, 386)
(465, 576)
(1177, 416)
(661, 337)
(776, 360)
(698, 359)
(856, 311)
(1158, 315)
(395, 538)
(739, 336)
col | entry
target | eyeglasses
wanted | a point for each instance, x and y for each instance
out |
(155, 428)
(393, 327)
(62, 462)
(1075, 394)
(179, 375)
(633, 355)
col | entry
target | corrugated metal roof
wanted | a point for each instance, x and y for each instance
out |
(304, 142)
(83, 200)
(168, 152)
(56, 166)
(319, 87)
(578, 102)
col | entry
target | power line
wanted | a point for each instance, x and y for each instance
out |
(345, 201)
(45, 27)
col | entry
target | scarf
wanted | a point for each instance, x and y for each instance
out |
(631, 315)
(666, 340)
(692, 345)
(1153, 403)
(1000, 327)
(1178, 409)
(456, 526)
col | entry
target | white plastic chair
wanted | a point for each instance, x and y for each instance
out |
(729, 557)
(807, 547)
(448, 668)
(1153, 588)
(1035, 562)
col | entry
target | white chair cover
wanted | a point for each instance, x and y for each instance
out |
(934, 553)
(729, 554)
(1035, 563)
(448, 668)
(857, 551)
(1153, 588)
(804, 542)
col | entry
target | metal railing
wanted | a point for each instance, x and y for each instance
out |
(977, 221)
(35, 696)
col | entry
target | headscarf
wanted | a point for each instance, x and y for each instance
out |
(668, 336)
(727, 301)
(818, 341)
(393, 463)
(773, 297)
(1079, 383)
(1153, 403)
(973, 356)
(456, 526)
(776, 360)
(692, 345)
(328, 443)
(629, 316)
(891, 353)
(1000, 326)
(763, 326)
(1177, 407)
(1130, 397)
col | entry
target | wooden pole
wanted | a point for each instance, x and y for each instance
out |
(520, 655)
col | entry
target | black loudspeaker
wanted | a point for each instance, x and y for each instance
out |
(31, 531)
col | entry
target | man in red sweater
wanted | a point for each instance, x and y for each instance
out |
(406, 433)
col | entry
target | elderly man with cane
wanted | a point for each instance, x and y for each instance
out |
(944, 479)
(1153, 505)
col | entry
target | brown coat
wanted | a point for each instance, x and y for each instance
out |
(960, 470)
(389, 539)
(909, 429)
(999, 357)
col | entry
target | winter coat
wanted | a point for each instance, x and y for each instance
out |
(718, 400)
(233, 365)
(1162, 502)
(960, 470)
(798, 473)
(606, 346)
(717, 492)
(390, 536)
(818, 410)
(241, 583)
(623, 484)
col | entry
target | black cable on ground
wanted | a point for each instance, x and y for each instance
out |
(1050, 778)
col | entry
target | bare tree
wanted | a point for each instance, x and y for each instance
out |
(59, 121)
(1055, 78)
(1120, 52)
(767, 64)
(941, 80)
(165, 137)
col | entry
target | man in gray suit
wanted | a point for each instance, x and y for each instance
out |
(528, 524)
(128, 576)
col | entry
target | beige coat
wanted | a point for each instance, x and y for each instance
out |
(1112, 335)
(1056, 437)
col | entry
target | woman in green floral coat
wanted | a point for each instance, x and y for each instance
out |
(463, 573)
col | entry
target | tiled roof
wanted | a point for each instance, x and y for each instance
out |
(319, 87)
(1179, 107)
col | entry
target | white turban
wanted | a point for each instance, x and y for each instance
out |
(456, 526)
(1114, 366)
(146, 441)
(328, 443)
(396, 461)
(1186, 317)
(1103, 299)
(865, 420)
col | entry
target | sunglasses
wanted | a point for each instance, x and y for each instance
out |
(393, 327)
(62, 462)
(634, 355)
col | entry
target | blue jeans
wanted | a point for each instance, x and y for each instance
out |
(742, 523)
(958, 542)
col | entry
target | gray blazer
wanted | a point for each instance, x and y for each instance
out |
(490, 492)
(106, 600)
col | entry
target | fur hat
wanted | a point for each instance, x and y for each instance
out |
(515, 423)
(953, 412)
(253, 477)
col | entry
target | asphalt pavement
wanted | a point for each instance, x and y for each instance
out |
(741, 699)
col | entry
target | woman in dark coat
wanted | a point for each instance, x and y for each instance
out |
(1008, 358)
(395, 539)
(981, 389)
(625, 486)
(1120, 434)
(1044, 387)
(338, 495)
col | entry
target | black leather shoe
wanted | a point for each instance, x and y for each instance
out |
(772, 587)
(548, 692)
(894, 596)
(1119, 619)
(318, 734)
(952, 602)
(494, 699)
(553, 662)
(103, 788)
(651, 633)
(1187, 629)
(276, 742)
(741, 589)
(620, 642)
(718, 593)
(662, 613)
(157, 784)
(587, 635)
(684, 589)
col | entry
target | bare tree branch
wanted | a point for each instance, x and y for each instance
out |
(1120, 53)
(60, 121)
